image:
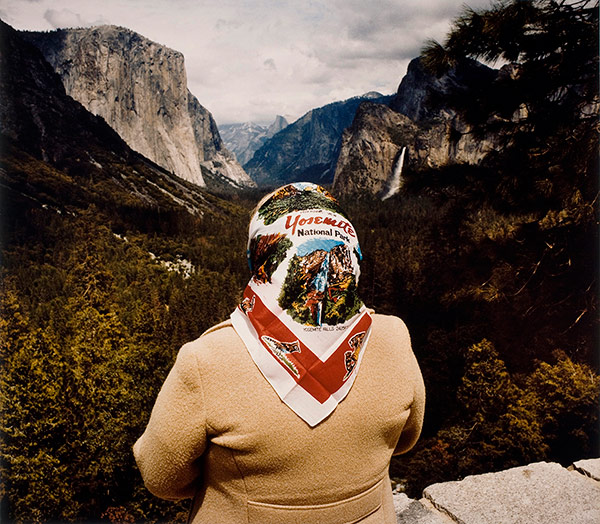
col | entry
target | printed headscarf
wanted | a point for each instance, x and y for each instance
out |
(301, 318)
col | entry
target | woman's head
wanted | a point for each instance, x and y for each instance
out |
(302, 242)
(300, 315)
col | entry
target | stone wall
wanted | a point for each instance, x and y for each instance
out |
(539, 493)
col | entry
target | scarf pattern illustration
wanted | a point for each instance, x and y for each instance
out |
(301, 317)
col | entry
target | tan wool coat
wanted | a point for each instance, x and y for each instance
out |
(220, 434)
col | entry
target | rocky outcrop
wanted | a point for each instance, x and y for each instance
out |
(140, 88)
(417, 122)
(307, 149)
(370, 149)
(538, 493)
(423, 96)
(219, 161)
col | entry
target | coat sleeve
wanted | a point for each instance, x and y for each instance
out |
(414, 424)
(169, 450)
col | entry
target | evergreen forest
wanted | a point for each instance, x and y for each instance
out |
(494, 269)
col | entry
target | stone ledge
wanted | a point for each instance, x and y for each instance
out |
(589, 467)
(539, 493)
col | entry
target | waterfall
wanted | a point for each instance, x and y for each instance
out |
(396, 178)
(320, 284)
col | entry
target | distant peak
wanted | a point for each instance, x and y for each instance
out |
(279, 124)
(371, 94)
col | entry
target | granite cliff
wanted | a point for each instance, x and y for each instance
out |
(140, 88)
(417, 131)
(57, 155)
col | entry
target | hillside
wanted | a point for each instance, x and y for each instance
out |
(109, 263)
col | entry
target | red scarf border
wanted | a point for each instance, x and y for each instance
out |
(319, 378)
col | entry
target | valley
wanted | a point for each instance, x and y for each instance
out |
(124, 215)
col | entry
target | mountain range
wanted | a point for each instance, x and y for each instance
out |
(244, 139)
(358, 145)
(362, 145)
(307, 149)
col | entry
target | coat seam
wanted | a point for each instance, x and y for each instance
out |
(247, 498)
(204, 403)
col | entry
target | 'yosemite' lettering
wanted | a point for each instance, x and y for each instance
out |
(292, 221)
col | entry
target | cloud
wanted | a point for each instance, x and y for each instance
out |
(253, 59)
(225, 25)
(269, 63)
(67, 18)
(384, 30)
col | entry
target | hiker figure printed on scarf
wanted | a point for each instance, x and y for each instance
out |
(301, 317)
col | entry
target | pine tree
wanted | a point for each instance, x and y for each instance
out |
(545, 99)
(551, 46)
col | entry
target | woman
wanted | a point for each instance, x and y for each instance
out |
(290, 411)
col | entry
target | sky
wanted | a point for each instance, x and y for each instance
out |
(251, 60)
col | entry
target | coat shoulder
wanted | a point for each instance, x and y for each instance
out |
(216, 337)
(390, 325)
(217, 347)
